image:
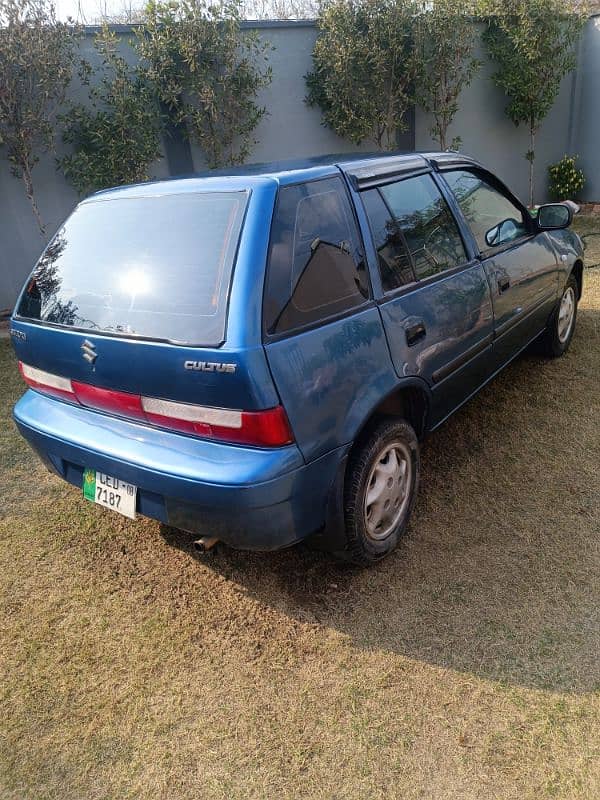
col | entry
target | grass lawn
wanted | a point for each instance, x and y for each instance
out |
(588, 227)
(466, 666)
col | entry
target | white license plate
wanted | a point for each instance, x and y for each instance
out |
(109, 492)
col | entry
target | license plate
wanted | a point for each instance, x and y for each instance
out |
(109, 492)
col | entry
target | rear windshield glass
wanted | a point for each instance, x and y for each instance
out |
(155, 267)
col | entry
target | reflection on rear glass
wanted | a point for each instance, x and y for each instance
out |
(156, 267)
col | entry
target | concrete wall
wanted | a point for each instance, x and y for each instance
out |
(291, 129)
(586, 111)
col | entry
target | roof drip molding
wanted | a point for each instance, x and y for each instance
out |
(365, 175)
(450, 159)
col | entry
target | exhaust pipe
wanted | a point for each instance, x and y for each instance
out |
(204, 543)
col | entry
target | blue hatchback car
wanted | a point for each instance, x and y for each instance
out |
(255, 356)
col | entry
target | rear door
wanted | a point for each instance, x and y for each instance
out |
(323, 336)
(435, 300)
(520, 262)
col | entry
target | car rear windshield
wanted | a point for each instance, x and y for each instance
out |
(155, 267)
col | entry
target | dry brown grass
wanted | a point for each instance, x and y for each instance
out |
(588, 227)
(465, 666)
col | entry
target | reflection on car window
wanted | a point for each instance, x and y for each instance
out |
(429, 228)
(394, 262)
(153, 266)
(492, 217)
(316, 266)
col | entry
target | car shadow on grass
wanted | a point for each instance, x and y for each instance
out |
(498, 573)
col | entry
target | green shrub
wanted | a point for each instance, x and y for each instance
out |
(207, 73)
(116, 135)
(565, 180)
(364, 68)
(37, 54)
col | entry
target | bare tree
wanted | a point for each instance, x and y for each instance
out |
(281, 9)
(129, 12)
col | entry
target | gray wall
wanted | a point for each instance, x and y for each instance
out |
(292, 129)
(586, 114)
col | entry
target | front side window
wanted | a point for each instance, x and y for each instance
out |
(493, 218)
(316, 266)
(428, 227)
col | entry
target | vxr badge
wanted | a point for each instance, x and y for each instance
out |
(89, 351)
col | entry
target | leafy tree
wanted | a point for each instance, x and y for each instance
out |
(444, 42)
(117, 139)
(207, 73)
(533, 44)
(37, 54)
(363, 68)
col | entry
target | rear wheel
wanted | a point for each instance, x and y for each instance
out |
(380, 490)
(557, 337)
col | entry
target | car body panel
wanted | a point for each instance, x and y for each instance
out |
(331, 377)
(569, 250)
(153, 369)
(249, 497)
(529, 270)
(456, 313)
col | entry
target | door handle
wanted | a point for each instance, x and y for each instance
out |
(503, 284)
(415, 333)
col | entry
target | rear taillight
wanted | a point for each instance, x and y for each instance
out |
(47, 382)
(268, 428)
(123, 403)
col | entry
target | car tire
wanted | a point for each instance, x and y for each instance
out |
(561, 325)
(380, 490)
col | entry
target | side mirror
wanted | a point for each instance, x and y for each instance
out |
(554, 216)
(503, 232)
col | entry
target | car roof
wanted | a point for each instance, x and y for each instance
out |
(287, 171)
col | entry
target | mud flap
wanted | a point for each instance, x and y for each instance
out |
(331, 538)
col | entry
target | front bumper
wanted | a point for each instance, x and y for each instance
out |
(251, 498)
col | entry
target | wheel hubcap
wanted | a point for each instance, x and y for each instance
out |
(388, 490)
(566, 314)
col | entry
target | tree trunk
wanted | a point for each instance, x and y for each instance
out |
(442, 139)
(27, 180)
(531, 158)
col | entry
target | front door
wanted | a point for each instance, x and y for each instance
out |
(519, 261)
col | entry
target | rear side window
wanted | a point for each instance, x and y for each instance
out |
(154, 267)
(395, 266)
(316, 265)
(430, 230)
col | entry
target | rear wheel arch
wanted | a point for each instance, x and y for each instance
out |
(410, 401)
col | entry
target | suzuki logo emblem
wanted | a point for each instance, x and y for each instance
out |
(89, 352)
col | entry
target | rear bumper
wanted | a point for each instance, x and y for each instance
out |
(248, 497)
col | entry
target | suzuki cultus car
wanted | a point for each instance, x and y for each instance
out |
(255, 357)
